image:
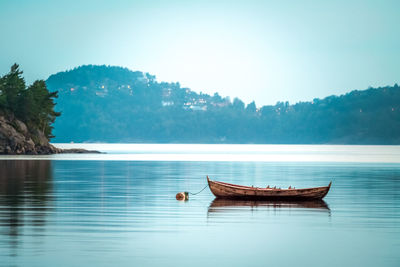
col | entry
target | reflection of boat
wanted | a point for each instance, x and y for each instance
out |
(232, 191)
(221, 204)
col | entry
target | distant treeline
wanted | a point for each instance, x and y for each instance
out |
(32, 104)
(113, 104)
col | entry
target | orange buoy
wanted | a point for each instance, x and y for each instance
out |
(182, 196)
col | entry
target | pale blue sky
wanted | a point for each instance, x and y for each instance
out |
(265, 51)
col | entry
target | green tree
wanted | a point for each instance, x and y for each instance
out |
(251, 107)
(238, 104)
(42, 103)
(11, 85)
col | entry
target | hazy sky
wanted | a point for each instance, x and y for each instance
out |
(265, 51)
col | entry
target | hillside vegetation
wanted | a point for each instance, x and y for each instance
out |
(26, 115)
(114, 104)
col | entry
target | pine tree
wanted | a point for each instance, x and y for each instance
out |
(42, 114)
(12, 86)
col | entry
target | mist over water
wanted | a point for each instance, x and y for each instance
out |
(70, 212)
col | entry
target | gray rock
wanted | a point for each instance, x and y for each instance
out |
(16, 138)
(80, 151)
(41, 138)
(21, 127)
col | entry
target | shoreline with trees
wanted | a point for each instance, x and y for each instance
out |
(116, 105)
(26, 116)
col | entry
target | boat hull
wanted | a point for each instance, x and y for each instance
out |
(232, 191)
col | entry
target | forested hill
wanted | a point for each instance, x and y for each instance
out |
(114, 104)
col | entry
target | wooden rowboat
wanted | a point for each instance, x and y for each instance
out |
(233, 191)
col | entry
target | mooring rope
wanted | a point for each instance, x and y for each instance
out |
(199, 191)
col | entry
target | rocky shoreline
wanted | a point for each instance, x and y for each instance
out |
(17, 139)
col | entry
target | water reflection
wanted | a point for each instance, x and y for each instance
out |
(25, 193)
(105, 213)
(229, 205)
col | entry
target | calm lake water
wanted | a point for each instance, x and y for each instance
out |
(119, 209)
